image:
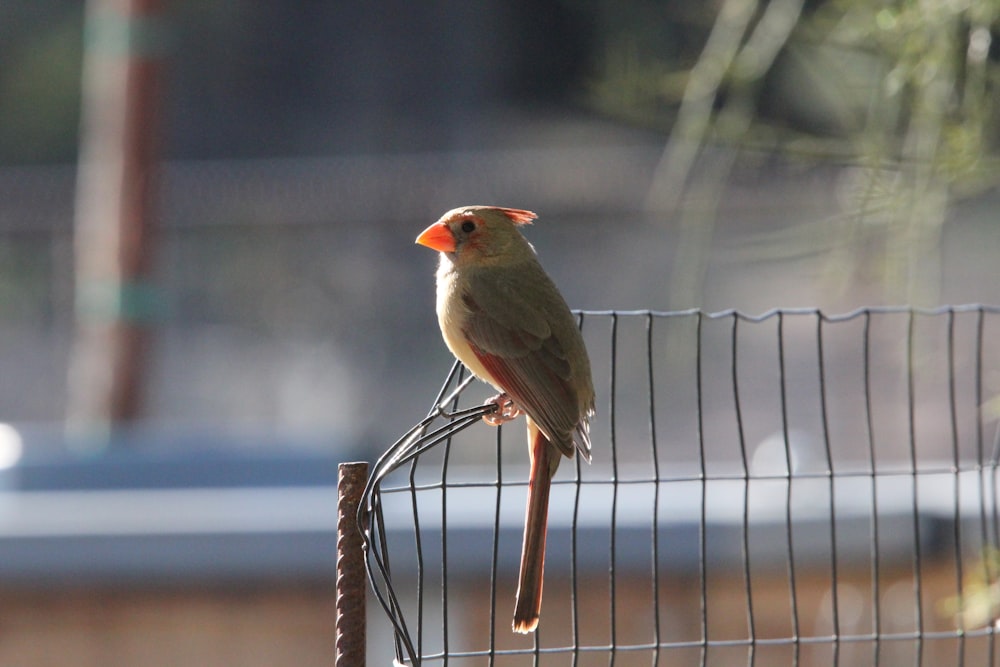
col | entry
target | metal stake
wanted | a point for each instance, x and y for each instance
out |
(351, 581)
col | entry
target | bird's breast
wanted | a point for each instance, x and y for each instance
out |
(452, 316)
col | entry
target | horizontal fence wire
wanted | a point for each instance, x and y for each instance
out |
(791, 488)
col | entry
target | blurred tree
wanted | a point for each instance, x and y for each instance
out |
(905, 92)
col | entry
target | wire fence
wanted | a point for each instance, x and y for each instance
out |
(791, 488)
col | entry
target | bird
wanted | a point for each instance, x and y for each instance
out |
(502, 316)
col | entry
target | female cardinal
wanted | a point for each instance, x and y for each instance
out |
(502, 317)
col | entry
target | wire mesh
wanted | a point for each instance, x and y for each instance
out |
(794, 488)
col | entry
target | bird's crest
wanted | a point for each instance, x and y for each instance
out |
(518, 216)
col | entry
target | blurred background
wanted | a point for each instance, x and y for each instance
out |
(210, 295)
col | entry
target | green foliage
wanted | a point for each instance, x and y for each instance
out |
(904, 92)
(939, 83)
(979, 603)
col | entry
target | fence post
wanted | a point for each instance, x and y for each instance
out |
(114, 227)
(351, 582)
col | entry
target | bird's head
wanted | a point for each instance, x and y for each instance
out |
(479, 234)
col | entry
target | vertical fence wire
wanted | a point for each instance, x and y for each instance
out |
(982, 470)
(655, 459)
(876, 589)
(920, 488)
(446, 456)
(745, 474)
(418, 547)
(575, 565)
(911, 414)
(613, 442)
(957, 487)
(703, 475)
(793, 597)
(831, 490)
(494, 556)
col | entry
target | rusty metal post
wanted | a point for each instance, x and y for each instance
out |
(351, 581)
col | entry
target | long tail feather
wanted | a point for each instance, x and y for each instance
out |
(529, 589)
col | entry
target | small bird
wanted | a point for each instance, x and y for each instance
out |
(502, 316)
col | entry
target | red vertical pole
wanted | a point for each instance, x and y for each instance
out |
(114, 224)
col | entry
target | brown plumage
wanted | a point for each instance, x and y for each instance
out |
(502, 316)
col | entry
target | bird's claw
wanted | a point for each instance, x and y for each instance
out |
(506, 410)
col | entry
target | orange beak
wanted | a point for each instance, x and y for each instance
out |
(437, 237)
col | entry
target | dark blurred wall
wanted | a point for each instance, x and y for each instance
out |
(319, 77)
(258, 79)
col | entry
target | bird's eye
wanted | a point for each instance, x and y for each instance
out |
(468, 226)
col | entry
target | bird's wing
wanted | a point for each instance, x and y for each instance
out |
(515, 339)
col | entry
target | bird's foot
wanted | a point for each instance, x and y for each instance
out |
(506, 410)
